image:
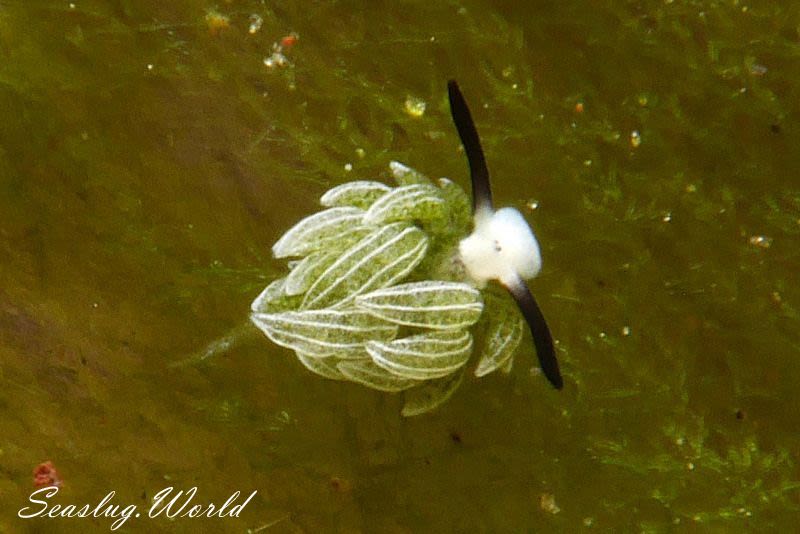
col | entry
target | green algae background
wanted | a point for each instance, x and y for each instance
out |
(149, 159)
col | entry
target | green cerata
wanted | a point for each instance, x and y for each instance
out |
(387, 286)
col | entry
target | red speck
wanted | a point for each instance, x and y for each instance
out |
(45, 474)
(289, 40)
(579, 107)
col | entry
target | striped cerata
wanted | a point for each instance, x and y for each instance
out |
(386, 286)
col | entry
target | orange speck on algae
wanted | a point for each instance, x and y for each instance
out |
(289, 40)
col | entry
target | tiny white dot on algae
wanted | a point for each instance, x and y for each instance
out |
(761, 241)
(255, 24)
(415, 107)
(636, 139)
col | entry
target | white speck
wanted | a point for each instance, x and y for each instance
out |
(761, 241)
(690, 466)
(667, 217)
(95, 305)
(602, 335)
(679, 441)
(71, 5)
(636, 139)
(255, 24)
(587, 163)
(149, 66)
(348, 167)
(533, 204)
(360, 152)
(547, 502)
(626, 330)
(277, 59)
(415, 106)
